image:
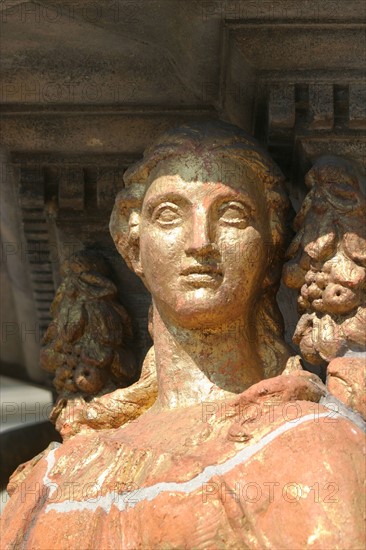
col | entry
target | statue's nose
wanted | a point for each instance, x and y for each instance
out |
(199, 239)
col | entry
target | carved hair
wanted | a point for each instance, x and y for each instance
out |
(225, 141)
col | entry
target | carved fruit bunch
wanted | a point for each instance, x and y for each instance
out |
(86, 344)
(327, 262)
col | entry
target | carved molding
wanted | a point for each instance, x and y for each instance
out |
(37, 239)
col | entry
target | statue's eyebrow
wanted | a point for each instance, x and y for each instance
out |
(238, 196)
(242, 197)
(167, 196)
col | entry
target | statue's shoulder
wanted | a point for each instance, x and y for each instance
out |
(300, 464)
(32, 479)
(32, 468)
(293, 406)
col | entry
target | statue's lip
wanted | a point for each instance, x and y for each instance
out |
(201, 270)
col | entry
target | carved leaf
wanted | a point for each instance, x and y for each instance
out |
(355, 328)
(355, 246)
(105, 323)
(93, 353)
(50, 359)
(71, 321)
(320, 238)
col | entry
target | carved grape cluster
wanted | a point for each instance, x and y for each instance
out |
(86, 344)
(327, 263)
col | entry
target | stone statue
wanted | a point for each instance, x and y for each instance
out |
(236, 451)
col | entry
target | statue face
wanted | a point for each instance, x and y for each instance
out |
(203, 240)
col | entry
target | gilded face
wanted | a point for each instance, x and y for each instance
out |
(203, 240)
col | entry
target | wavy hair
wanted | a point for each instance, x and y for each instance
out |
(225, 141)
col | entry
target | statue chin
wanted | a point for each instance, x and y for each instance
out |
(200, 309)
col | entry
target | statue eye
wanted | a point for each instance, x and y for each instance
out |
(233, 213)
(167, 214)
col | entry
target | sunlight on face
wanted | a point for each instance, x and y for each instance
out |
(203, 240)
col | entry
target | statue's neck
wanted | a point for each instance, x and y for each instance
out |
(195, 366)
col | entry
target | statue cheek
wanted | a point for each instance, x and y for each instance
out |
(157, 259)
(164, 247)
(243, 249)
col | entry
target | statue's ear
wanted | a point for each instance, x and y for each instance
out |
(134, 243)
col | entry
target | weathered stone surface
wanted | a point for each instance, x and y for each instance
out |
(346, 379)
(232, 473)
